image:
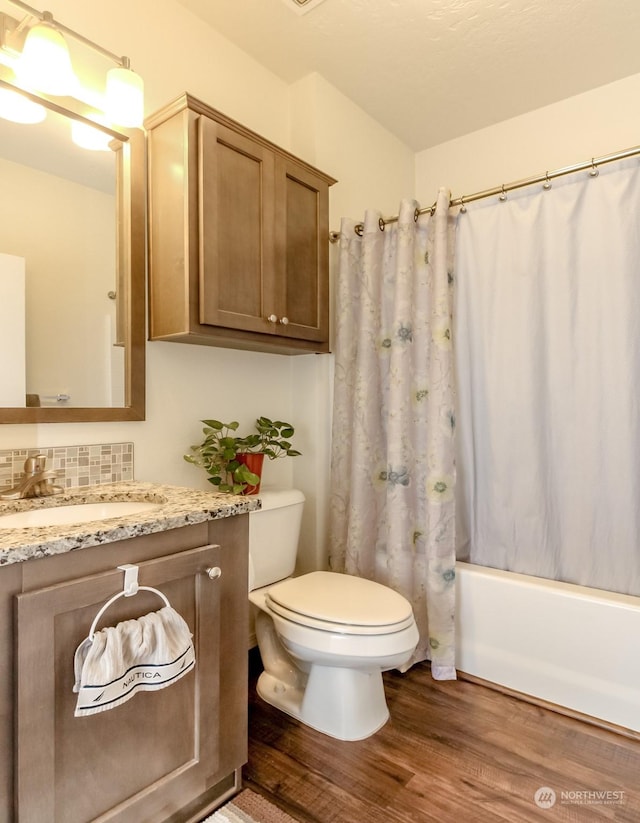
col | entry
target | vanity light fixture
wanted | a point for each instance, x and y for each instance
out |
(38, 48)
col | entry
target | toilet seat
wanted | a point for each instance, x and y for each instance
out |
(340, 628)
(340, 603)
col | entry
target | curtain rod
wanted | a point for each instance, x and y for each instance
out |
(501, 191)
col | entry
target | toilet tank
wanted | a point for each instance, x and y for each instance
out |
(274, 531)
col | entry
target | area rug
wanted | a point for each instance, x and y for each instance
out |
(249, 807)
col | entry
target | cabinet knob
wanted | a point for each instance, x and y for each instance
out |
(272, 318)
(214, 572)
(284, 321)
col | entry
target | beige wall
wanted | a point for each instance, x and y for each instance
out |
(588, 125)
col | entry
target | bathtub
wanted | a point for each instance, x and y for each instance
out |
(576, 647)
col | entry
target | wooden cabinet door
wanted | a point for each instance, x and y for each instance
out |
(302, 231)
(142, 761)
(236, 185)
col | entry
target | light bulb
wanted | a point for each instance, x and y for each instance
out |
(45, 63)
(124, 100)
(19, 109)
(88, 137)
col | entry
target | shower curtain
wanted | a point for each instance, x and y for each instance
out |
(547, 331)
(392, 476)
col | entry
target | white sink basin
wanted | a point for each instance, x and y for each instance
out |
(74, 513)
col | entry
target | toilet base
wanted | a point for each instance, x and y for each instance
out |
(348, 704)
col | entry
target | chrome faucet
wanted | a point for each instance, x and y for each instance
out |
(35, 482)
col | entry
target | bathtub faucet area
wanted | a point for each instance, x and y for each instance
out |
(36, 481)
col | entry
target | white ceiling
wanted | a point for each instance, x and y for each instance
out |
(432, 70)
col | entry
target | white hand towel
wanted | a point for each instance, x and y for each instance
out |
(145, 654)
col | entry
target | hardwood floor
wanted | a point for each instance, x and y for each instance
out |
(451, 752)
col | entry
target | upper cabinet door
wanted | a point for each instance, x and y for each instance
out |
(236, 184)
(302, 230)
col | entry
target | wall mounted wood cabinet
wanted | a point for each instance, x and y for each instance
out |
(170, 755)
(238, 233)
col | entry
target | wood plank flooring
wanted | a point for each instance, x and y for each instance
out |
(452, 752)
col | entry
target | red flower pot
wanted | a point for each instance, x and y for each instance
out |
(253, 461)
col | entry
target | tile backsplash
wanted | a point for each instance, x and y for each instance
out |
(77, 466)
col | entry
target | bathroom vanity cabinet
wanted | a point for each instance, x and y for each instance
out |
(238, 234)
(164, 756)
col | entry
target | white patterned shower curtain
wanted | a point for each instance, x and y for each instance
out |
(392, 501)
(547, 335)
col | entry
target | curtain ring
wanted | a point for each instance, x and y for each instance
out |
(359, 229)
(381, 224)
(547, 183)
(463, 207)
(503, 194)
(594, 169)
(416, 214)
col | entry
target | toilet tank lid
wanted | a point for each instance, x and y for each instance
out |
(274, 498)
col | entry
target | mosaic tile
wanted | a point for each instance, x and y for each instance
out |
(77, 466)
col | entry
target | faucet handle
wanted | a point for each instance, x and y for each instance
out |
(33, 465)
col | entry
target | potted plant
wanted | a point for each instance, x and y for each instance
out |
(234, 462)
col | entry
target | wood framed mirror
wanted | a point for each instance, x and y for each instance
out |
(80, 241)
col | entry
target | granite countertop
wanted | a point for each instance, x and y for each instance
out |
(177, 507)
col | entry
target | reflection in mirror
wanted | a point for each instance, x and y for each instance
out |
(58, 214)
(72, 220)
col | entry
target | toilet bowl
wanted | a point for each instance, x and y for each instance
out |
(324, 638)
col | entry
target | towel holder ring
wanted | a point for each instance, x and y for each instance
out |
(131, 587)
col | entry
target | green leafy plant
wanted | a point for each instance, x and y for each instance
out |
(272, 439)
(218, 453)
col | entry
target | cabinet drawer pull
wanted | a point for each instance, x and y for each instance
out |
(214, 572)
(285, 321)
(272, 318)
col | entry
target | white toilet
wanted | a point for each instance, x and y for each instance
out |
(324, 638)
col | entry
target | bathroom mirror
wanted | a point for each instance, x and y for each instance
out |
(74, 220)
